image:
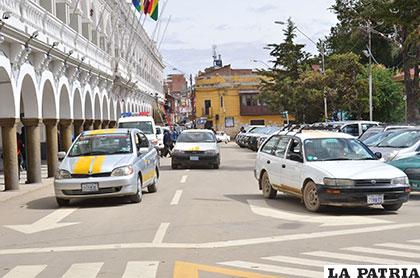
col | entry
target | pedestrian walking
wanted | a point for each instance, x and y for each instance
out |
(167, 144)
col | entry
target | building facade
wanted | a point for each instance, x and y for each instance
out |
(228, 99)
(70, 65)
(179, 97)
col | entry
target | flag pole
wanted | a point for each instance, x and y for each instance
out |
(164, 32)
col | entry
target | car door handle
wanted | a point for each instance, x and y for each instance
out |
(283, 166)
(268, 161)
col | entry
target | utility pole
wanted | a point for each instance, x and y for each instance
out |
(325, 93)
(370, 73)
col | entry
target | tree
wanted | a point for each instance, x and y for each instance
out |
(278, 83)
(346, 89)
(395, 21)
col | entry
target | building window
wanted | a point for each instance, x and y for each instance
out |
(221, 101)
(229, 122)
(257, 122)
(207, 106)
(250, 100)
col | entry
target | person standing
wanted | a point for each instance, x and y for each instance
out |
(167, 143)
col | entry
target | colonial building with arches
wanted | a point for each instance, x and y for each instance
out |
(68, 66)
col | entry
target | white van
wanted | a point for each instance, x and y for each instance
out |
(145, 123)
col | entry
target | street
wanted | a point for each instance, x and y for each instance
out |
(212, 222)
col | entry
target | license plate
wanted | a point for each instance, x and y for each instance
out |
(194, 158)
(375, 199)
(90, 187)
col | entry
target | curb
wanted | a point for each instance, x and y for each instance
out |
(25, 189)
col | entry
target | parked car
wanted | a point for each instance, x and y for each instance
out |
(354, 128)
(376, 139)
(411, 167)
(196, 147)
(399, 144)
(221, 136)
(107, 163)
(328, 168)
(254, 139)
(380, 129)
(144, 123)
(240, 137)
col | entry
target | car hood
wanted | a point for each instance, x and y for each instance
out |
(95, 164)
(409, 162)
(195, 146)
(357, 169)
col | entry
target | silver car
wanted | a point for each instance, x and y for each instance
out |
(107, 163)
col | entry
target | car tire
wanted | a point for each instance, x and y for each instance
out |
(62, 202)
(216, 166)
(311, 197)
(393, 207)
(139, 195)
(153, 187)
(268, 191)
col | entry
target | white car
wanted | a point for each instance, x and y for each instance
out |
(196, 147)
(222, 137)
(146, 124)
(328, 168)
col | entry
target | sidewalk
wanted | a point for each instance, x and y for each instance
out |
(24, 188)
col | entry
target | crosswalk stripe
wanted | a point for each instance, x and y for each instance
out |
(143, 269)
(85, 270)
(274, 269)
(415, 241)
(400, 246)
(384, 252)
(300, 261)
(356, 258)
(25, 271)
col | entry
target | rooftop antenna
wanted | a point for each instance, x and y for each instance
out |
(217, 59)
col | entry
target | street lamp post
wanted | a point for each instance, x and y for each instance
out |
(322, 52)
(370, 74)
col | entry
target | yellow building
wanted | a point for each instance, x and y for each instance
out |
(228, 98)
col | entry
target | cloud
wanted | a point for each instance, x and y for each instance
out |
(222, 27)
(262, 9)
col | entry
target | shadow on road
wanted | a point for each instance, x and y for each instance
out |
(293, 204)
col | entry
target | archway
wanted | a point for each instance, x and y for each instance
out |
(77, 112)
(98, 115)
(88, 111)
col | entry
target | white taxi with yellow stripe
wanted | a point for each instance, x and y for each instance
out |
(196, 147)
(107, 163)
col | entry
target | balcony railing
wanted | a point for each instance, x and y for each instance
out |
(256, 110)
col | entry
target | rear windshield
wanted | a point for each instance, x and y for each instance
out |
(196, 137)
(145, 126)
(103, 144)
(401, 140)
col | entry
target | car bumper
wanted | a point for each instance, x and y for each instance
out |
(358, 196)
(108, 187)
(203, 159)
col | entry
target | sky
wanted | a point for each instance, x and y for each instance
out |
(239, 28)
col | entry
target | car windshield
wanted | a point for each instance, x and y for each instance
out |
(330, 149)
(401, 139)
(377, 138)
(103, 144)
(145, 126)
(196, 137)
(258, 130)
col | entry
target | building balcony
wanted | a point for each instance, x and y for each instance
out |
(256, 110)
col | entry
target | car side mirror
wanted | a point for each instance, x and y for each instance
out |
(61, 155)
(378, 155)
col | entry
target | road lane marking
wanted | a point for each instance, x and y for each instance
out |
(383, 252)
(300, 261)
(161, 232)
(46, 223)
(141, 269)
(25, 271)
(209, 245)
(274, 269)
(85, 270)
(400, 246)
(176, 198)
(261, 207)
(184, 178)
(415, 241)
(191, 270)
(356, 258)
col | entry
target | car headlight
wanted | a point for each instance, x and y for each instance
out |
(338, 182)
(210, 151)
(122, 171)
(400, 181)
(392, 155)
(62, 174)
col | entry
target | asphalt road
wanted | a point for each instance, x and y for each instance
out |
(200, 223)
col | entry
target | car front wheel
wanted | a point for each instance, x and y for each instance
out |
(268, 191)
(139, 195)
(311, 198)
